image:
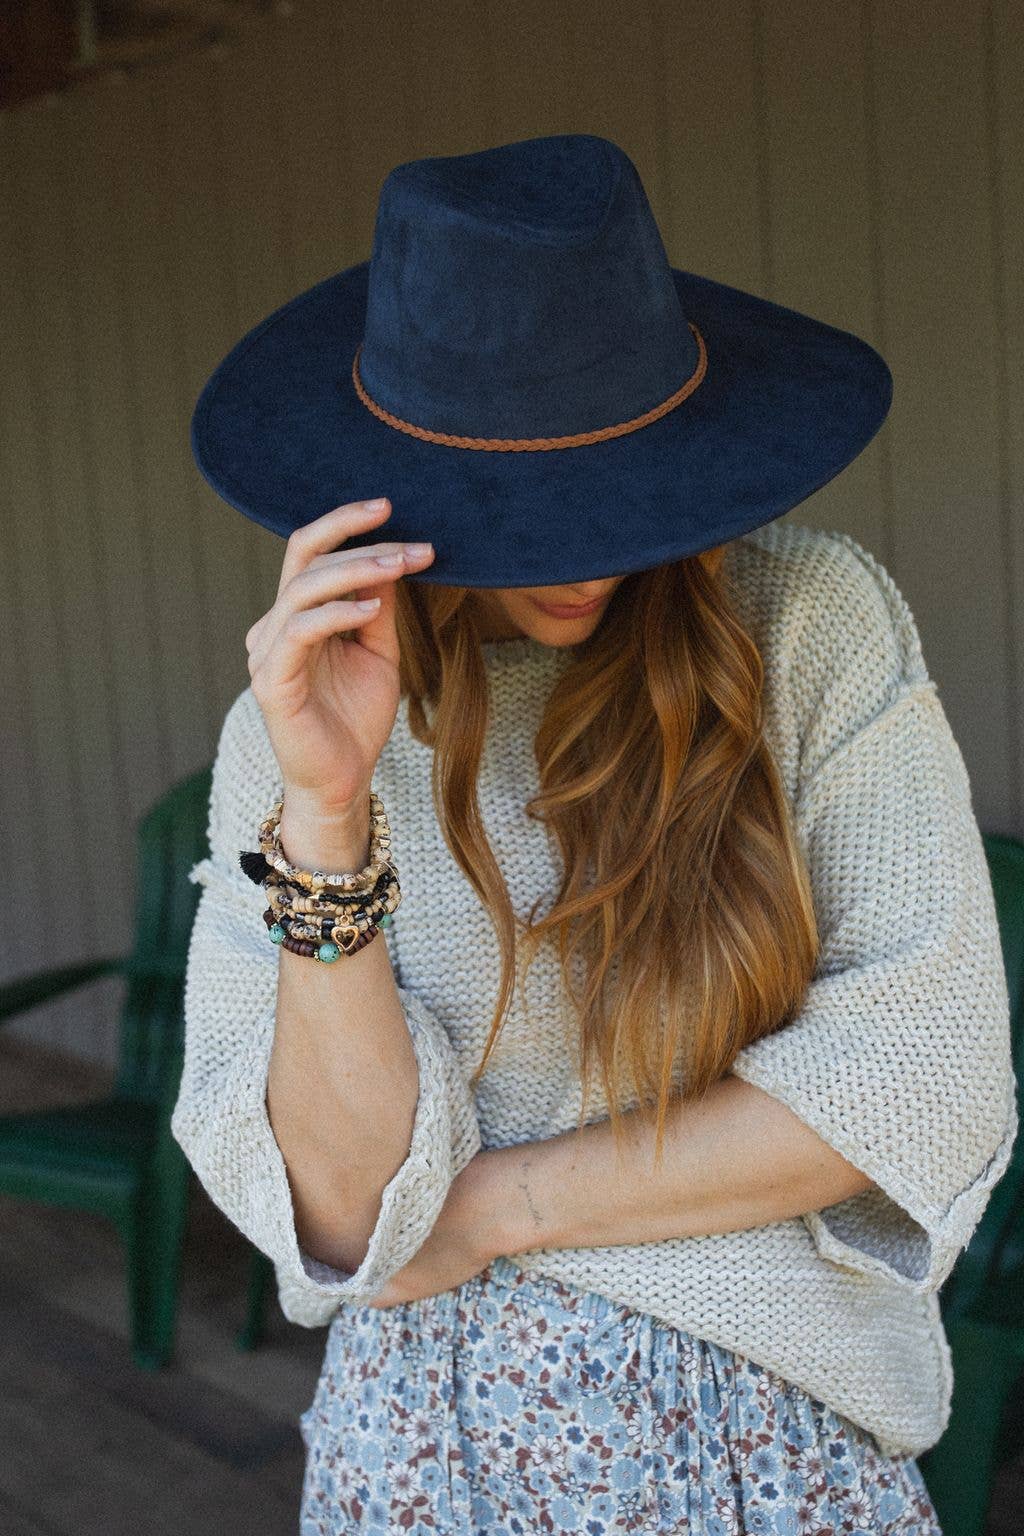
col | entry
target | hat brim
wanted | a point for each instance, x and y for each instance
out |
(787, 401)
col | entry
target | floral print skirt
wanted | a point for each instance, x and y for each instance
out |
(514, 1404)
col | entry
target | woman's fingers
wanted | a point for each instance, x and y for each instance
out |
(326, 533)
(285, 660)
(340, 575)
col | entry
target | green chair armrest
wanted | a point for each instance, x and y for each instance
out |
(27, 991)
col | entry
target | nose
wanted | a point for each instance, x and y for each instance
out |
(588, 591)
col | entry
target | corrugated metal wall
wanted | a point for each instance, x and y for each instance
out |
(860, 162)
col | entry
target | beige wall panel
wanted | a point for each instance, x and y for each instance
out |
(254, 182)
(217, 552)
(533, 68)
(938, 258)
(152, 313)
(710, 213)
(817, 158)
(1005, 68)
(50, 564)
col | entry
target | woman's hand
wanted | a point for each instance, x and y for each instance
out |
(325, 671)
(465, 1238)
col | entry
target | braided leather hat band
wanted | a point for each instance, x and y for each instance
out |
(538, 444)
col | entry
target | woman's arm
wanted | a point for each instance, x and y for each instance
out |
(342, 1080)
(737, 1158)
(299, 1185)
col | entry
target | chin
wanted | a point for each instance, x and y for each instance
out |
(559, 632)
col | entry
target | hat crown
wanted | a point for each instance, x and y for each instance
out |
(521, 291)
(553, 189)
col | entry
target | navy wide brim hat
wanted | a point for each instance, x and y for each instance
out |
(537, 391)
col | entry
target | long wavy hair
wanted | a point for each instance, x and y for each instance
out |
(685, 894)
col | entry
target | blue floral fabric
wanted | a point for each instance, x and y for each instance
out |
(513, 1405)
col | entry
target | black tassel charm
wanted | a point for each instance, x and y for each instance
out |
(255, 866)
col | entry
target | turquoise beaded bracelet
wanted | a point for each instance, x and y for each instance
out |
(327, 951)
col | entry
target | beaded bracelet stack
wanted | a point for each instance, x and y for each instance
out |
(319, 915)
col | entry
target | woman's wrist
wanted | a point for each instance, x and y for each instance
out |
(501, 1218)
(335, 842)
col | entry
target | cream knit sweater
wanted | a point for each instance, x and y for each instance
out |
(899, 1056)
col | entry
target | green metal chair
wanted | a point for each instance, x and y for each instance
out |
(116, 1156)
(982, 1300)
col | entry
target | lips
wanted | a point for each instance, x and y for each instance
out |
(566, 610)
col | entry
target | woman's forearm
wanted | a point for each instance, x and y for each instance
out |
(343, 1081)
(739, 1158)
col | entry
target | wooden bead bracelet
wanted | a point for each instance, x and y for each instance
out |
(316, 880)
(321, 915)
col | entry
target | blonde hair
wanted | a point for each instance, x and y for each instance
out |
(682, 869)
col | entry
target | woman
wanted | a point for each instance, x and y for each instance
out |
(646, 1234)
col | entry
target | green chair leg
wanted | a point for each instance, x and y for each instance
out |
(262, 1279)
(960, 1469)
(153, 1239)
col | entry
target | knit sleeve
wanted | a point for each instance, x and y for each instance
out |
(220, 1118)
(900, 1055)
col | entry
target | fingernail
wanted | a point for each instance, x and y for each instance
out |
(419, 549)
(375, 505)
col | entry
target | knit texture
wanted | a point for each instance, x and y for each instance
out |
(899, 1056)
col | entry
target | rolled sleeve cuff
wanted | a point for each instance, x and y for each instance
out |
(892, 1229)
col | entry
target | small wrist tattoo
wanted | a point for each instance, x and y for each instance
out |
(525, 1188)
